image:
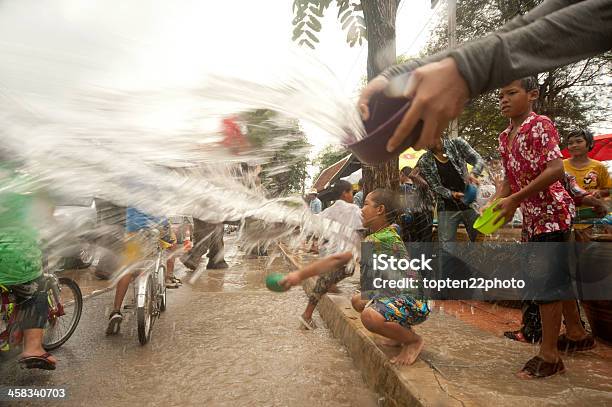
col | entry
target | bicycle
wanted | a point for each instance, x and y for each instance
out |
(149, 288)
(65, 309)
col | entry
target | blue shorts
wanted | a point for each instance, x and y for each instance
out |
(403, 309)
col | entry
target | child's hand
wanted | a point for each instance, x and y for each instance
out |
(457, 196)
(506, 208)
(290, 280)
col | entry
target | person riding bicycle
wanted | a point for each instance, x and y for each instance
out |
(21, 267)
(137, 248)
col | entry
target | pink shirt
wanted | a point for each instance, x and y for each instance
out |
(535, 144)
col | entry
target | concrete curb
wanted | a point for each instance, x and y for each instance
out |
(417, 385)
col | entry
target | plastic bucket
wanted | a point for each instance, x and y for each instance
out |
(385, 115)
(485, 223)
(273, 280)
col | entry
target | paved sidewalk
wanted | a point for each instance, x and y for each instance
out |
(466, 360)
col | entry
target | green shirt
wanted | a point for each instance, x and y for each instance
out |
(387, 241)
(20, 254)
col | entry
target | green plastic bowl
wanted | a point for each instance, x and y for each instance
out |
(273, 280)
(484, 224)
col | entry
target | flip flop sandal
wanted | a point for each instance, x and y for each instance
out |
(517, 336)
(37, 362)
(171, 285)
(308, 325)
(564, 344)
(538, 368)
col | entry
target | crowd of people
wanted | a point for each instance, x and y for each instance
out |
(537, 181)
(544, 187)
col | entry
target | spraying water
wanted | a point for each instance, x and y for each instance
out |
(79, 120)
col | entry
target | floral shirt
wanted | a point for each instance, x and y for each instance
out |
(535, 144)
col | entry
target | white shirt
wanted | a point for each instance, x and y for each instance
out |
(347, 215)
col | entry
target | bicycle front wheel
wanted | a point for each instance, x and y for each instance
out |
(65, 309)
(144, 313)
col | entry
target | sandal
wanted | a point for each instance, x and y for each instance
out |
(564, 344)
(537, 368)
(517, 336)
(173, 282)
(306, 324)
(37, 362)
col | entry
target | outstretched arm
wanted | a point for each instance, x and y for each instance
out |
(324, 265)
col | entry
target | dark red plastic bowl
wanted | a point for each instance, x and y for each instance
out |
(385, 115)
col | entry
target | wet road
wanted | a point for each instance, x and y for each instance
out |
(224, 341)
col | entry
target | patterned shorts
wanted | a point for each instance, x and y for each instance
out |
(403, 309)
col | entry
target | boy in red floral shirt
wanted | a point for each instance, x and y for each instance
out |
(532, 162)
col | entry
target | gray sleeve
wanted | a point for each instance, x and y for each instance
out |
(470, 155)
(556, 33)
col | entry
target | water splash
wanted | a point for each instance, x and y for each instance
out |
(86, 126)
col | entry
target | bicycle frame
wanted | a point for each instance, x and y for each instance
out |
(140, 284)
(9, 310)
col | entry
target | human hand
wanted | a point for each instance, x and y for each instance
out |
(601, 193)
(438, 93)
(473, 180)
(290, 280)
(506, 208)
(376, 85)
(457, 196)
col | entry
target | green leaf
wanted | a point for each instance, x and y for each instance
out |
(314, 24)
(312, 36)
(343, 5)
(348, 22)
(345, 16)
(304, 41)
(316, 10)
(352, 34)
(361, 21)
(296, 34)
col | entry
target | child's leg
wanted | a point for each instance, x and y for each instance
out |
(321, 287)
(412, 344)
(573, 324)
(358, 302)
(120, 291)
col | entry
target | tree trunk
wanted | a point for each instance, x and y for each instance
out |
(380, 25)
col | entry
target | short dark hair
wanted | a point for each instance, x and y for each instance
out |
(586, 134)
(387, 199)
(340, 187)
(529, 83)
(360, 183)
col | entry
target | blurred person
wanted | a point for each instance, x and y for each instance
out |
(358, 197)
(444, 168)
(139, 245)
(417, 220)
(344, 212)
(316, 206)
(22, 214)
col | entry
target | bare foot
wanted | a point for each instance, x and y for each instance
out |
(409, 353)
(387, 342)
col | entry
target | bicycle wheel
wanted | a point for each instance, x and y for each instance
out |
(144, 314)
(161, 275)
(65, 308)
